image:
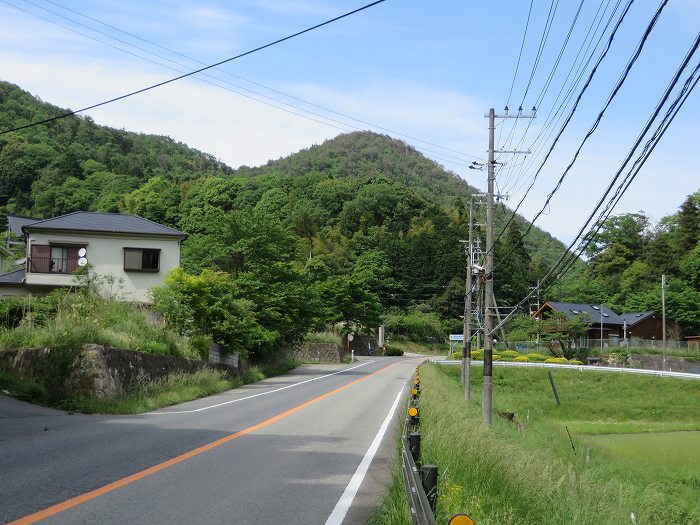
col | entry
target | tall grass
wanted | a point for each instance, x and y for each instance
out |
(79, 319)
(505, 475)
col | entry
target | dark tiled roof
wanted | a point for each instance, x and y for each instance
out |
(635, 317)
(573, 310)
(106, 223)
(16, 277)
(15, 223)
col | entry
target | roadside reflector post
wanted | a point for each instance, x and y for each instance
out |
(415, 392)
(461, 519)
(413, 419)
(414, 446)
(429, 476)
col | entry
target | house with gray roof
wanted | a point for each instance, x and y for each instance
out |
(133, 252)
(613, 326)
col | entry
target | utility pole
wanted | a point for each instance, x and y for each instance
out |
(486, 407)
(601, 329)
(663, 319)
(467, 343)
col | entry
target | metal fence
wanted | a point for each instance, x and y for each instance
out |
(608, 344)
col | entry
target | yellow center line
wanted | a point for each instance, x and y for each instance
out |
(87, 496)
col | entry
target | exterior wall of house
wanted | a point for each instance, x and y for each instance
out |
(649, 328)
(105, 253)
(12, 291)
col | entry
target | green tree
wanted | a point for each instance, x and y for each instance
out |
(688, 226)
(559, 333)
(157, 200)
(347, 300)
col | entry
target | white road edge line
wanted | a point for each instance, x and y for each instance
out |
(345, 501)
(256, 395)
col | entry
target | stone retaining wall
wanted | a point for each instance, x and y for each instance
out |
(102, 371)
(656, 362)
(317, 353)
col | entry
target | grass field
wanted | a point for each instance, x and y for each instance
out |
(509, 475)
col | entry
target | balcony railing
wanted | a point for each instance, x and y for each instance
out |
(52, 265)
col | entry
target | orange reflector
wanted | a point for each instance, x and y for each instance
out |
(413, 411)
(461, 519)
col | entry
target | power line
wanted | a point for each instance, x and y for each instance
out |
(553, 117)
(545, 35)
(571, 114)
(191, 73)
(449, 158)
(611, 97)
(568, 258)
(520, 54)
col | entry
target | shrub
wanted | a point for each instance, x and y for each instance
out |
(521, 359)
(536, 358)
(511, 354)
(575, 362)
(557, 360)
(457, 355)
(393, 351)
(199, 344)
(416, 325)
(158, 348)
(477, 354)
(496, 357)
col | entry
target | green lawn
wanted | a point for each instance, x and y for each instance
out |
(509, 475)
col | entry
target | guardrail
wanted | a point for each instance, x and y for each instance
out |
(421, 498)
(421, 482)
(589, 368)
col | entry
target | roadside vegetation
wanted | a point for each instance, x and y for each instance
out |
(631, 454)
(64, 321)
(73, 318)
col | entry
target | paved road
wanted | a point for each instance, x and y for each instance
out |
(280, 451)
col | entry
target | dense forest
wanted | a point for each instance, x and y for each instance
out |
(359, 229)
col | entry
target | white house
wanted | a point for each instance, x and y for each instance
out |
(135, 251)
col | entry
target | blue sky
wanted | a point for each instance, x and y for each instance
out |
(424, 70)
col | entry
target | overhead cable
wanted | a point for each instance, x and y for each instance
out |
(191, 73)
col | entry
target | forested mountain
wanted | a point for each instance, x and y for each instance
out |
(74, 164)
(363, 221)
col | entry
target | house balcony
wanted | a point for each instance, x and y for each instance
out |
(51, 265)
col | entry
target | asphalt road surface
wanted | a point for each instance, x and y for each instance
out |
(312, 447)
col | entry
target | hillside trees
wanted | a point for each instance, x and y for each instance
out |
(628, 257)
(347, 229)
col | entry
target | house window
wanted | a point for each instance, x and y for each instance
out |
(141, 259)
(45, 258)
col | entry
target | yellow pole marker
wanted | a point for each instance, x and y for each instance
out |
(461, 519)
(414, 391)
(413, 411)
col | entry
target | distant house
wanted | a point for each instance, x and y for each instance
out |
(14, 228)
(615, 327)
(135, 251)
